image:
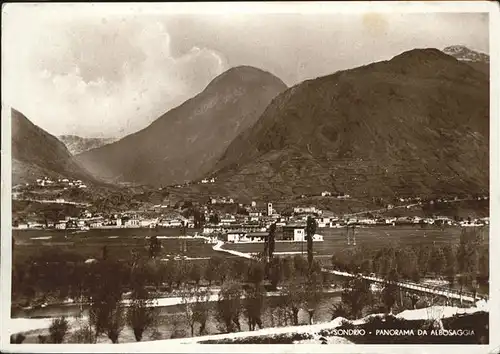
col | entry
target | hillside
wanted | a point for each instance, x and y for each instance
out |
(186, 142)
(479, 61)
(36, 153)
(77, 144)
(417, 124)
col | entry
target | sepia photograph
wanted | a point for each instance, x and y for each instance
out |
(246, 173)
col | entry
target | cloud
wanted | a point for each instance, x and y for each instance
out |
(93, 69)
(101, 76)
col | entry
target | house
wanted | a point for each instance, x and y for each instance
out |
(96, 224)
(148, 223)
(295, 233)
(255, 237)
(22, 226)
(324, 222)
(234, 236)
(35, 225)
(326, 194)
(306, 210)
(132, 223)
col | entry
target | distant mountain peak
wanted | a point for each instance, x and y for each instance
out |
(463, 53)
(245, 74)
(421, 54)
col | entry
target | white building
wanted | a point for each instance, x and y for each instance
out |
(326, 194)
(132, 223)
(61, 225)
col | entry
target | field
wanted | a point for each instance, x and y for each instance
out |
(119, 243)
(372, 237)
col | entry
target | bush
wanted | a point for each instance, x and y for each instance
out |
(17, 338)
(58, 330)
(83, 335)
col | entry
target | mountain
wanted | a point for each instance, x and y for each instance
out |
(186, 142)
(417, 124)
(36, 153)
(477, 60)
(77, 144)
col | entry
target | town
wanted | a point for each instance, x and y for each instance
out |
(245, 224)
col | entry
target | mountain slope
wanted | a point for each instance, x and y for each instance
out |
(187, 141)
(36, 153)
(415, 125)
(477, 60)
(77, 144)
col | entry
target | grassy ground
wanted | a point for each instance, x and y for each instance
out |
(372, 237)
(119, 242)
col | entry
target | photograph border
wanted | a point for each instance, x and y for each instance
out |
(164, 346)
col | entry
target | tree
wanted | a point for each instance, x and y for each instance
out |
(141, 314)
(467, 257)
(214, 219)
(115, 324)
(271, 240)
(105, 293)
(195, 273)
(253, 306)
(229, 307)
(169, 272)
(154, 246)
(310, 231)
(293, 294)
(58, 329)
(299, 265)
(313, 295)
(83, 335)
(239, 269)
(199, 219)
(105, 252)
(356, 295)
(390, 290)
(216, 269)
(256, 273)
(276, 272)
(201, 309)
(437, 261)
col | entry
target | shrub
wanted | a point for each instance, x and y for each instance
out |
(58, 330)
(17, 338)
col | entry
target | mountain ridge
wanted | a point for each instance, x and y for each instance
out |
(320, 134)
(184, 143)
(35, 151)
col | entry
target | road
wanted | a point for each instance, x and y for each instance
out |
(401, 207)
(46, 201)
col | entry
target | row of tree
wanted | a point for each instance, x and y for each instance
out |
(466, 263)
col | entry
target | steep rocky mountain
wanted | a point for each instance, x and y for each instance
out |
(186, 142)
(36, 153)
(77, 144)
(479, 61)
(417, 124)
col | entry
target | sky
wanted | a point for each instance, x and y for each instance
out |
(98, 70)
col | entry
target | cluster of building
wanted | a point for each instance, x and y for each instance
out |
(64, 183)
